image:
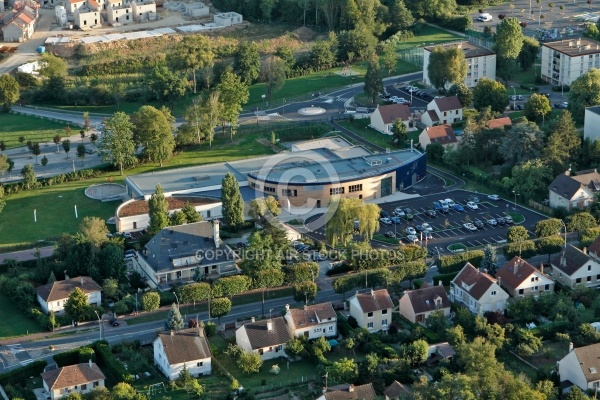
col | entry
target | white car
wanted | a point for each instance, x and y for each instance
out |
(492, 222)
(410, 231)
(508, 219)
(470, 227)
(485, 17)
(472, 205)
(494, 197)
(450, 202)
(385, 221)
(412, 238)
(398, 212)
(426, 227)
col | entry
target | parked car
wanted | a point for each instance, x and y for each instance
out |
(398, 212)
(410, 231)
(114, 323)
(407, 210)
(430, 213)
(385, 221)
(383, 214)
(469, 226)
(494, 197)
(474, 199)
(501, 221)
(89, 151)
(409, 217)
(437, 206)
(564, 105)
(450, 202)
(458, 207)
(472, 205)
(520, 107)
(390, 234)
(478, 224)
(427, 236)
(427, 227)
(512, 98)
(492, 222)
(485, 17)
(508, 219)
(412, 238)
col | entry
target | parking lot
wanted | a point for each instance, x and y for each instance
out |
(448, 228)
(416, 102)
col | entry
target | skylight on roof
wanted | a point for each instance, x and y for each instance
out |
(592, 370)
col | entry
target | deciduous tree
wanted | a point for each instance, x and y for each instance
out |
(117, 146)
(233, 203)
(446, 66)
(81, 152)
(523, 142)
(563, 143)
(158, 211)
(230, 286)
(168, 86)
(192, 53)
(490, 93)
(585, 92)
(233, 93)
(249, 362)
(548, 227)
(464, 94)
(580, 222)
(537, 107)
(220, 307)
(528, 52)
(373, 81)
(66, 145)
(516, 234)
(153, 131)
(549, 245)
(246, 62)
(94, 230)
(305, 291)
(389, 57)
(400, 16)
(9, 91)
(272, 73)
(76, 305)
(399, 133)
(29, 176)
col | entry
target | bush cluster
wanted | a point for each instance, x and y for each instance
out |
(110, 363)
(455, 262)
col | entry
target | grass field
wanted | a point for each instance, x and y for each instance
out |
(14, 322)
(12, 126)
(429, 35)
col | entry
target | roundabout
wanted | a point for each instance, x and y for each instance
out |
(312, 110)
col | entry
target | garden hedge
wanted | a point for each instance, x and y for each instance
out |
(75, 356)
(111, 364)
(22, 374)
(444, 278)
(455, 262)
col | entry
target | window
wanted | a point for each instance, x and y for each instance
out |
(289, 192)
(578, 280)
(317, 329)
(355, 188)
(493, 293)
(547, 287)
(201, 363)
(445, 113)
(269, 189)
(589, 267)
(589, 278)
(254, 185)
(536, 288)
(456, 112)
(532, 279)
(370, 315)
(384, 322)
(84, 386)
(96, 384)
(521, 291)
(330, 327)
(338, 190)
(370, 325)
(384, 311)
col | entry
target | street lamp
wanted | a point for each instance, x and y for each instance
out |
(515, 203)
(564, 226)
(283, 110)
(99, 324)
(514, 98)
(176, 298)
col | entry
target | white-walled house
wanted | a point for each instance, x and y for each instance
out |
(442, 110)
(417, 305)
(581, 366)
(117, 13)
(383, 118)
(175, 253)
(143, 10)
(566, 60)
(349, 392)
(19, 25)
(521, 279)
(73, 5)
(478, 291)
(266, 338)
(574, 191)
(79, 378)
(228, 18)
(591, 123)
(372, 310)
(312, 322)
(53, 296)
(481, 62)
(442, 134)
(575, 267)
(189, 347)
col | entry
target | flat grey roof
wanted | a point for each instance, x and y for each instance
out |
(575, 47)
(471, 50)
(334, 142)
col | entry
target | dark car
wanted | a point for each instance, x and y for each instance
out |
(501, 221)
(437, 206)
(478, 224)
(383, 214)
(407, 210)
(114, 323)
(520, 107)
(430, 213)
(390, 234)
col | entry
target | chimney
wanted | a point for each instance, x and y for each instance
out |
(570, 347)
(81, 280)
(66, 276)
(584, 250)
(269, 325)
(90, 363)
(485, 271)
(287, 308)
(563, 260)
(351, 389)
(516, 266)
(440, 283)
(372, 293)
(499, 281)
(306, 307)
(172, 332)
(216, 237)
(252, 319)
(542, 268)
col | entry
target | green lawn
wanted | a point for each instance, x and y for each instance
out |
(428, 36)
(14, 322)
(12, 126)
(518, 218)
(517, 366)
(525, 77)
(359, 127)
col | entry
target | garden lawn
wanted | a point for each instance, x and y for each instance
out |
(12, 126)
(429, 35)
(517, 366)
(14, 322)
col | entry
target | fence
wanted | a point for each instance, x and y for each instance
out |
(540, 207)
(413, 56)
(284, 384)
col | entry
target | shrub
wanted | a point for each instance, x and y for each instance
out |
(111, 364)
(22, 374)
(444, 278)
(352, 322)
(455, 262)
(342, 268)
(210, 329)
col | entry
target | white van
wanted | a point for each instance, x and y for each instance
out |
(485, 17)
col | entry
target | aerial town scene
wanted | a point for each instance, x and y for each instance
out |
(299, 199)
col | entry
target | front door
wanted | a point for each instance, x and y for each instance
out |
(386, 186)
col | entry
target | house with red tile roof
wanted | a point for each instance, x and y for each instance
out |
(372, 310)
(187, 347)
(501, 122)
(478, 291)
(444, 110)
(266, 338)
(78, 378)
(417, 305)
(573, 266)
(442, 134)
(311, 322)
(53, 296)
(521, 279)
(383, 118)
(19, 25)
(349, 392)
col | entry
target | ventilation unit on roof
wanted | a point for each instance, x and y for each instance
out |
(373, 163)
(319, 171)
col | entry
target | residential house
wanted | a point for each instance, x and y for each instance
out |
(481, 62)
(594, 249)
(78, 378)
(73, 5)
(581, 367)
(591, 123)
(117, 13)
(177, 253)
(349, 392)
(575, 267)
(501, 122)
(478, 291)
(566, 60)
(574, 191)
(439, 352)
(521, 279)
(442, 110)
(143, 10)
(417, 305)
(396, 391)
(19, 25)
(228, 19)
(442, 134)
(372, 310)
(88, 16)
(383, 118)
(312, 322)
(187, 347)
(266, 338)
(53, 296)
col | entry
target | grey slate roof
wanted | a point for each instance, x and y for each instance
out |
(260, 336)
(570, 260)
(185, 345)
(424, 299)
(566, 185)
